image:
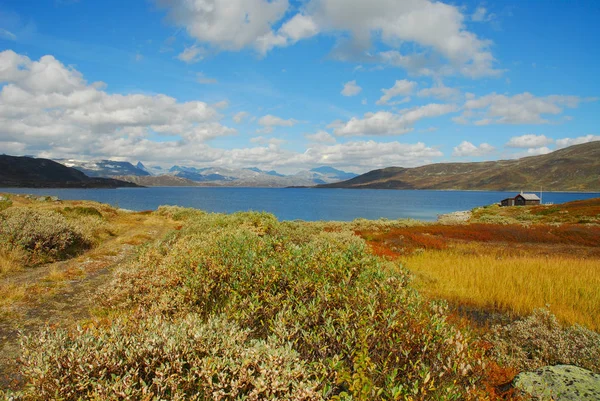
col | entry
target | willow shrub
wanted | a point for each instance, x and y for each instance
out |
(539, 340)
(361, 330)
(43, 234)
(155, 359)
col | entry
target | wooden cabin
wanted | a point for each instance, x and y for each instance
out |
(507, 202)
(521, 199)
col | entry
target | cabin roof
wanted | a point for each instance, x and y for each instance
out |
(529, 196)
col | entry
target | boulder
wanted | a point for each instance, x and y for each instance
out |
(560, 383)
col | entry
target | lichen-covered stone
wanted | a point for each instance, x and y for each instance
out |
(560, 382)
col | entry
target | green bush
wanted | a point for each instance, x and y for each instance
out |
(354, 318)
(82, 211)
(44, 235)
(155, 358)
(5, 203)
(539, 340)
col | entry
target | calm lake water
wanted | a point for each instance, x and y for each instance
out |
(299, 203)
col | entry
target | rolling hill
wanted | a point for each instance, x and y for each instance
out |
(28, 172)
(576, 168)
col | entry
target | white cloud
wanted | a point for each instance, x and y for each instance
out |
(223, 104)
(565, 142)
(270, 121)
(437, 29)
(204, 80)
(320, 137)
(267, 141)
(299, 27)
(386, 123)
(191, 54)
(369, 154)
(239, 117)
(481, 15)
(529, 141)
(468, 149)
(50, 109)
(227, 25)
(351, 89)
(523, 108)
(439, 92)
(538, 151)
(400, 88)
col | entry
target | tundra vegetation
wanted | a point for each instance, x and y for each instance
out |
(244, 306)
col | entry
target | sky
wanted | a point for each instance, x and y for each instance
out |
(295, 84)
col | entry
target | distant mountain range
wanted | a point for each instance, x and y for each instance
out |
(105, 168)
(208, 176)
(576, 168)
(28, 172)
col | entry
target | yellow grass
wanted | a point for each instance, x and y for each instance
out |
(9, 295)
(11, 260)
(570, 286)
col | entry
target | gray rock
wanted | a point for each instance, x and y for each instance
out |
(560, 382)
(48, 199)
(3, 198)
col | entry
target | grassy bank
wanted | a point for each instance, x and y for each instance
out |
(244, 306)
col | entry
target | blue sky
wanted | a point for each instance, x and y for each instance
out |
(291, 85)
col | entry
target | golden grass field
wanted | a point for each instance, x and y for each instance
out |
(568, 286)
(533, 257)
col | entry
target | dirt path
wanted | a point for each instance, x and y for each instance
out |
(62, 293)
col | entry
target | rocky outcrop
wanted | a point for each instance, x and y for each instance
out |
(560, 383)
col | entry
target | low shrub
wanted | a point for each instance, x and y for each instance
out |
(5, 203)
(82, 211)
(539, 340)
(11, 258)
(155, 358)
(178, 213)
(45, 235)
(363, 331)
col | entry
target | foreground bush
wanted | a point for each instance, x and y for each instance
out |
(44, 235)
(155, 358)
(364, 332)
(539, 340)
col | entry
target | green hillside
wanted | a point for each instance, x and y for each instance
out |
(576, 168)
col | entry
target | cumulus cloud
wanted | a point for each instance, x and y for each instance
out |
(529, 141)
(51, 109)
(370, 154)
(191, 54)
(269, 122)
(400, 88)
(565, 142)
(468, 149)
(437, 29)
(320, 137)
(351, 89)
(228, 25)
(538, 151)
(481, 14)
(267, 140)
(387, 123)
(239, 117)
(523, 108)
(440, 91)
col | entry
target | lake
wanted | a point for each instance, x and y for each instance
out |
(308, 204)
